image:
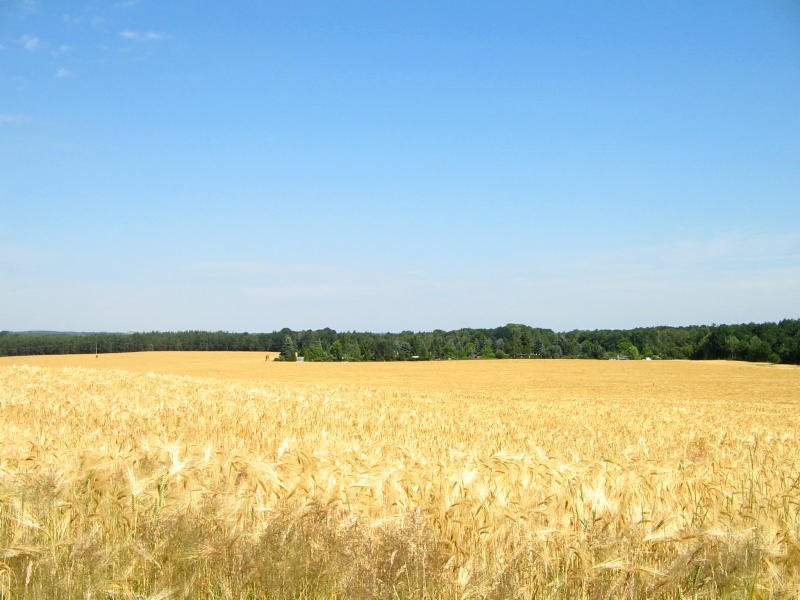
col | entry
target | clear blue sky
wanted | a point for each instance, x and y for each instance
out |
(386, 166)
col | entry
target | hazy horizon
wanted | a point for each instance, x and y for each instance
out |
(398, 167)
(395, 331)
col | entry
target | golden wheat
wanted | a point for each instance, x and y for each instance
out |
(462, 479)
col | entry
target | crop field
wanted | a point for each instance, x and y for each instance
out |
(226, 475)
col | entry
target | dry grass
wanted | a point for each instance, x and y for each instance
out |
(495, 479)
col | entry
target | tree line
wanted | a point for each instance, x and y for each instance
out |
(760, 342)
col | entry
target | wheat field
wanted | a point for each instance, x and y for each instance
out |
(225, 475)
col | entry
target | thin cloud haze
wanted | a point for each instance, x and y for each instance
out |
(143, 36)
(11, 119)
(30, 42)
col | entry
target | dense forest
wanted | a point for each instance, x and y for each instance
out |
(767, 342)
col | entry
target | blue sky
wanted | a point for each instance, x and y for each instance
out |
(386, 166)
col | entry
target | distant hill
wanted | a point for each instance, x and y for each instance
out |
(47, 332)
